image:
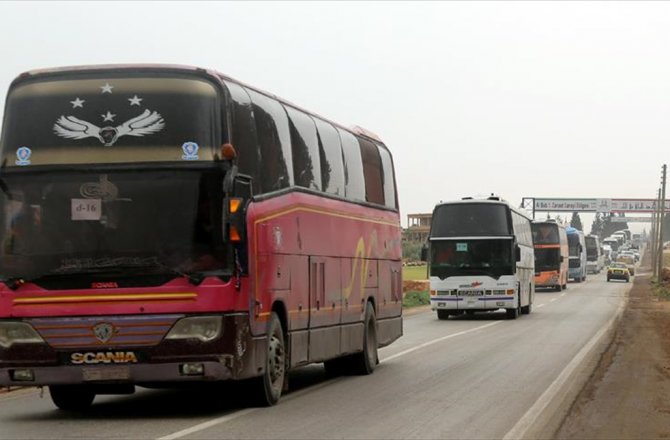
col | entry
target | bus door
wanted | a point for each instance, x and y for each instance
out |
(325, 309)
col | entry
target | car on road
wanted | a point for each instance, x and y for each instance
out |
(618, 271)
(628, 260)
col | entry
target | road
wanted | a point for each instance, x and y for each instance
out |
(462, 378)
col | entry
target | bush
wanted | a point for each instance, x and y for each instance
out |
(415, 298)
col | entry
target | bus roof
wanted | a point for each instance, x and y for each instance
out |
(495, 201)
(56, 71)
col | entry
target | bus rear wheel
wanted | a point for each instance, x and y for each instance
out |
(71, 397)
(365, 361)
(267, 388)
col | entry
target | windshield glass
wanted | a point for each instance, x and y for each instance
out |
(85, 222)
(471, 220)
(573, 245)
(471, 257)
(591, 248)
(545, 233)
(108, 118)
(547, 259)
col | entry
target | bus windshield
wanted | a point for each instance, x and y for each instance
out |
(547, 259)
(591, 249)
(471, 220)
(492, 257)
(573, 245)
(545, 233)
(84, 222)
(114, 118)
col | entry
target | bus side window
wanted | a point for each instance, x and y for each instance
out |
(332, 167)
(275, 142)
(305, 144)
(372, 171)
(390, 197)
(353, 166)
(243, 133)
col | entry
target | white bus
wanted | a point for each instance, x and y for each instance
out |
(481, 258)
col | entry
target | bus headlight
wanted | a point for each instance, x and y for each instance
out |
(203, 328)
(16, 332)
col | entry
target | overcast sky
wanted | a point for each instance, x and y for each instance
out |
(555, 99)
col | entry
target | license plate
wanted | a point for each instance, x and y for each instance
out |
(500, 303)
(106, 373)
(441, 304)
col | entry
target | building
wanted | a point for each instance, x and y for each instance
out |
(418, 227)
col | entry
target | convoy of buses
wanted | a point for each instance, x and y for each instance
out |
(167, 224)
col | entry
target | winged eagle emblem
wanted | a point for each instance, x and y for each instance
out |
(71, 127)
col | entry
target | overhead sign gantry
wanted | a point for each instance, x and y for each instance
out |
(606, 206)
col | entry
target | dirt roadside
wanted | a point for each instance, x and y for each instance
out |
(628, 394)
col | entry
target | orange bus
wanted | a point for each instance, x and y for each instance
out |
(551, 255)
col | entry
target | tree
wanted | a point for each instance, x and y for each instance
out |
(576, 222)
(610, 227)
(597, 226)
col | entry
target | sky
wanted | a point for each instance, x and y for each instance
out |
(520, 99)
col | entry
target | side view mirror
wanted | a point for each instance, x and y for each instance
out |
(562, 259)
(234, 224)
(517, 252)
(424, 252)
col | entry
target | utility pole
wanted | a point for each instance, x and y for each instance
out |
(653, 235)
(660, 225)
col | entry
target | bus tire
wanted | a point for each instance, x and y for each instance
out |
(268, 387)
(558, 288)
(514, 313)
(443, 314)
(364, 362)
(71, 397)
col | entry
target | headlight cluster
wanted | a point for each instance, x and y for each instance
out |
(16, 332)
(202, 328)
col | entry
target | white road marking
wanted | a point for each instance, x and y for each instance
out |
(521, 427)
(540, 306)
(554, 299)
(564, 293)
(234, 415)
(435, 341)
(208, 424)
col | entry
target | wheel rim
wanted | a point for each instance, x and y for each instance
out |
(276, 363)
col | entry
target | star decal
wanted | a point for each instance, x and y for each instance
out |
(135, 100)
(77, 103)
(109, 116)
(107, 88)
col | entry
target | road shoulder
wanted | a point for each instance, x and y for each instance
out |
(626, 396)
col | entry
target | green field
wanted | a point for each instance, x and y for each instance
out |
(414, 273)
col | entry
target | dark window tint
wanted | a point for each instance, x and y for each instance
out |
(389, 181)
(353, 166)
(573, 245)
(372, 170)
(274, 139)
(545, 233)
(547, 259)
(470, 219)
(110, 118)
(332, 168)
(305, 143)
(243, 133)
(471, 257)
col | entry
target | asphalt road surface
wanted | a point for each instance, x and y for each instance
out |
(468, 377)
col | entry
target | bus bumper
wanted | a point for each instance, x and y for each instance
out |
(234, 355)
(548, 279)
(474, 303)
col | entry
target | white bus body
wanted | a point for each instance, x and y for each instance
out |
(481, 258)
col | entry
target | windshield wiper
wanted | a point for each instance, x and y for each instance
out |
(194, 278)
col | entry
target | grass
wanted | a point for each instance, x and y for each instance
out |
(414, 273)
(415, 299)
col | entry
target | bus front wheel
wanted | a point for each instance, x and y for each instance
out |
(514, 313)
(443, 314)
(267, 388)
